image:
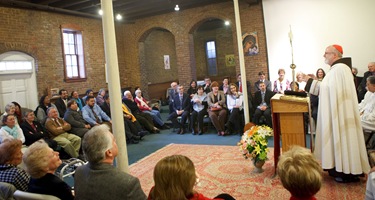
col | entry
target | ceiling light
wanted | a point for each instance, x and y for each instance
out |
(226, 23)
(118, 17)
(100, 11)
(176, 8)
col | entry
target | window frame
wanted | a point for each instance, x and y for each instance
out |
(79, 52)
(208, 59)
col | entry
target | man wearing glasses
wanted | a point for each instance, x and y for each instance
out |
(340, 143)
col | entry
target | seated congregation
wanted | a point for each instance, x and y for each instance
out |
(70, 127)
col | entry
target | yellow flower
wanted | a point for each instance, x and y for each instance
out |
(254, 142)
(257, 149)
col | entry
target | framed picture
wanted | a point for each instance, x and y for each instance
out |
(229, 60)
(54, 92)
(250, 44)
(167, 64)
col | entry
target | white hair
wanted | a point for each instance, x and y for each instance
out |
(127, 92)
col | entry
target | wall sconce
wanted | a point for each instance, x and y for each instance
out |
(118, 17)
(176, 8)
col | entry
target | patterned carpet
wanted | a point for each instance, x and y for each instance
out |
(224, 170)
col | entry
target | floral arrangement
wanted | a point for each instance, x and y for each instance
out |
(254, 142)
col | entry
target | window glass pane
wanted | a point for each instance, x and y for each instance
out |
(68, 60)
(65, 38)
(15, 66)
(2, 66)
(74, 55)
(74, 60)
(75, 71)
(66, 49)
(72, 49)
(69, 72)
(71, 38)
(211, 58)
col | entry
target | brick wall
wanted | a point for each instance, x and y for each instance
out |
(190, 62)
(38, 34)
(223, 38)
(158, 44)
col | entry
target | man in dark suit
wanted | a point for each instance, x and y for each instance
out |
(172, 92)
(74, 117)
(262, 102)
(62, 102)
(181, 107)
(105, 105)
(100, 148)
(362, 87)
(262, 78)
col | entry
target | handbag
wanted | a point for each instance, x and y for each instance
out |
(215, 109)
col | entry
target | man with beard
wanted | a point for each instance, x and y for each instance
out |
(93, 114)
(62, 102)
(340, 143)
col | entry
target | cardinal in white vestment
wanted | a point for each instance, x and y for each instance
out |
(340, 143)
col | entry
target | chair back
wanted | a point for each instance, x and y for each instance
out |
(21, 195)
(6, 191)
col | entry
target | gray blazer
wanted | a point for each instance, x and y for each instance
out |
(104, 181)
(221, 99)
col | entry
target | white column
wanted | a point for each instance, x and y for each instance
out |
(242, 60)
(114, 84)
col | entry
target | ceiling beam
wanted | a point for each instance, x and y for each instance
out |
(85, 5)
(68, 3)
(44, 2)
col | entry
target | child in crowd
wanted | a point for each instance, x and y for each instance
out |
(175, 178)
(300, 173)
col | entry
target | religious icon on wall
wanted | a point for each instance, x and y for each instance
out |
(167, 64)
(250, 44)
(229, 60)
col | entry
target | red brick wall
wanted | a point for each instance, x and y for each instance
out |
(182, 26)
(38, 34)
(158, 44)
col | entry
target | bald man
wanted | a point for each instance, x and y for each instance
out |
(340, 143)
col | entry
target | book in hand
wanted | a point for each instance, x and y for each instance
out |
(299, 94)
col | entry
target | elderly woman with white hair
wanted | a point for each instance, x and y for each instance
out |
(142, 104)
(41, 163)
(10, 129)
(10, 158)
(10, 108)
(100, 97)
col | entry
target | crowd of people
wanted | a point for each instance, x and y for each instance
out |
(82, 127)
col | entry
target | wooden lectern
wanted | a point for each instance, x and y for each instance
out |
(288, 121)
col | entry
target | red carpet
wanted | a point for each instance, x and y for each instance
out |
(224, 170)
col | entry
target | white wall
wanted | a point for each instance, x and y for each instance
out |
(317, 24)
